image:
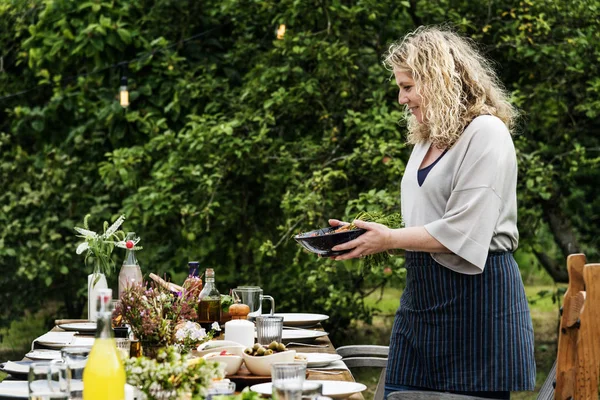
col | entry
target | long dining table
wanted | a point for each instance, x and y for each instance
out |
(322, 344)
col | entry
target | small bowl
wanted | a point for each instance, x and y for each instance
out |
(321, 241)
(217, 346)
(261, 365)
(230, 363)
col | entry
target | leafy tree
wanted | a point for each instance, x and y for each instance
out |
(235, 140)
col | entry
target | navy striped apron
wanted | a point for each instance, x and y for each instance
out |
(457, 332)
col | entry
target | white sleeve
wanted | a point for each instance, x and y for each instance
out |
(474, 206)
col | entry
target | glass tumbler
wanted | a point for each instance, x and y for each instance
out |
(75, 359)
(124, 347)
(269, 328)
(288, 380)
(222, 388)
(48, 380)
(312, 390)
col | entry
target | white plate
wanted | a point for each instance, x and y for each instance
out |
(14, 389)
(79, 327)
(316, 360)
(43, 354)
(333, 389)
(16, 368)
(300, 319)
(301, 335)
(19, 390)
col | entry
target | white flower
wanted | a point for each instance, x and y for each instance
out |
(87, 233)
(189, 325)
(198, 333)
(113, 228)
(180, 335)
(82, 247)
(215, 326)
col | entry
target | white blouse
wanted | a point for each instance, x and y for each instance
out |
(468, 201)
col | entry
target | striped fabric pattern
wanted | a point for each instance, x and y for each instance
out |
(457, 332)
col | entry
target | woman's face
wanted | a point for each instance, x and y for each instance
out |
(408, 94)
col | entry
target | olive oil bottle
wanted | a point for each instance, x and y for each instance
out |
(209, 308)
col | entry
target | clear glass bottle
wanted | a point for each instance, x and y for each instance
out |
(193, 283)
(104, 375)
(131, 273)
(209, 308)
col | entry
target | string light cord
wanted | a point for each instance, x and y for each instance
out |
(140, 57)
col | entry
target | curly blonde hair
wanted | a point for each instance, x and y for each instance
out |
(455, 82)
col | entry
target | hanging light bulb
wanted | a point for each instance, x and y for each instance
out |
(281, 31)
(124, 93)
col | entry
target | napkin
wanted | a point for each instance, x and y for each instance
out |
(62, 339)
(339, 364)
(14, 389)
(18, 368)
(54, 338)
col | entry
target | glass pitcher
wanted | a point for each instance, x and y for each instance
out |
(253, 297)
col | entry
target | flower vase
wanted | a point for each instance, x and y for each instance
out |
(151, 350)
(96, 281)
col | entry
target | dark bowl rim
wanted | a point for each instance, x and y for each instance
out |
(303, 235)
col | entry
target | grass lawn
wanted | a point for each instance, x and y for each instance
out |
(544, 314)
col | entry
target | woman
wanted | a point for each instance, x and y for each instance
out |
(463, 325)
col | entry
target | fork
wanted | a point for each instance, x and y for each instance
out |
(308, 345)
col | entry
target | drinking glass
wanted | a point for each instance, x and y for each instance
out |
(75, 359)
(48, 380)
(221, 388)
(312, 390)
(124, 347)
(269, 328)
(253, 297)
(287, 380)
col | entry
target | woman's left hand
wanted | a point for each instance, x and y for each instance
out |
(376, 239)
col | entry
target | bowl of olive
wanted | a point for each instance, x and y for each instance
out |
(258, 359)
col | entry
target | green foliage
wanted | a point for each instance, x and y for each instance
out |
(16, 337)
(171, 374)
(234, 140)
(394, 221)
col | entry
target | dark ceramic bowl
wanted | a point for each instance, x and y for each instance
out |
(321, 241)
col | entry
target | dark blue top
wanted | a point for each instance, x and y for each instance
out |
(422, 173)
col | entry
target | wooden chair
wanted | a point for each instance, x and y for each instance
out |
(367, 356)
(547, 390)
(578, 359)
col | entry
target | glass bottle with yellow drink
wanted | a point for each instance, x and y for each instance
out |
(104, 375)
